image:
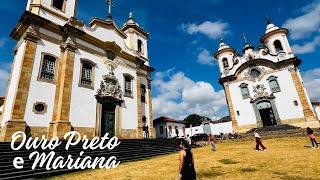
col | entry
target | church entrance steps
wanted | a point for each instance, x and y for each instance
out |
(278, 131)
(128, 150)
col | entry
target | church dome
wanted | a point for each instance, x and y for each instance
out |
(271, 27)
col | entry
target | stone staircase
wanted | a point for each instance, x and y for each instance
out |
(128, 150)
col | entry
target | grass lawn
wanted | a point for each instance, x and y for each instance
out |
(286, 158)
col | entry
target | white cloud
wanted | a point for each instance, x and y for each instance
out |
(211, 29)
(2, 42)
(306, 24)
(307, 47)
(311, 79)
(204, 57)
(4, 76)
(179, 96)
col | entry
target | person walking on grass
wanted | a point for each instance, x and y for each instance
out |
(258, 141)
(312, 137)
(186, 166)
(212, 142)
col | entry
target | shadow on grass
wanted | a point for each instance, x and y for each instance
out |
(248, 169)
(209, 173)
(285, 176)
(227, 161)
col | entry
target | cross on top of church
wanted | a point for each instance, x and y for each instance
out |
(110, 4)
(268, 20)
(244, 36)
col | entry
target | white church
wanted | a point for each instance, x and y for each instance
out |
(68, 76)
(263, 85)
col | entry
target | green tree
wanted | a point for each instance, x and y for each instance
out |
(195, 119)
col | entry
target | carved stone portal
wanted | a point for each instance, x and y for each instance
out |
(259, 90)
(110, 88)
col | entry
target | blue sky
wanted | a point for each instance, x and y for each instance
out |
(184, 34)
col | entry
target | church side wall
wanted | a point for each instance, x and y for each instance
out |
(317, 111)
(244, 106)
(41, 91)
(15, 71)
(285, 99)
(83, 103)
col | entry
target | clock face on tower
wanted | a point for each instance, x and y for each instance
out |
(110, 55)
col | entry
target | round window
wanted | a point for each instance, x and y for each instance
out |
(39, 108)
(254, 73)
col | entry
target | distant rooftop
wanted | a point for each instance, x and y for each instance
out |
(167, 119)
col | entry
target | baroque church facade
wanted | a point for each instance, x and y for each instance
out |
(67, 76)
(263, 86)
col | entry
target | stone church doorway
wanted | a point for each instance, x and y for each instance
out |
(266, 113)
(108, 119)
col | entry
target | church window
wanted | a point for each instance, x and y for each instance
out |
(277, 45)
(144, 119)
(59, 4)
(87, 73)
(39, 108)
(128, 86)
(48, 67)
(254, 73)
(274, 85)
(140, 46)
(225, 63)
(161, 129)
(110, 55)
(143, 93)
(244, 90)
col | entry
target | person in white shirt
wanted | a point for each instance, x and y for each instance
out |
(188, 139)
(258, 141)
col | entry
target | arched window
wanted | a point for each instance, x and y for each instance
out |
(273, 83)
(59, 4)
(277, 45)
(225, 63)
(48, 68)
(244, 91)
(140, 46)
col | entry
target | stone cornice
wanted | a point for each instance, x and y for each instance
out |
(281, 30)
(25, 21)
(29, 18)
(106, 23)
(274, 65)
(135, 27)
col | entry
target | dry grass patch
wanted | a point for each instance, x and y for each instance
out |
(286, 158)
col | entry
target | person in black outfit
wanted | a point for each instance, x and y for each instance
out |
(147, 131)
(312, 137)
(186, 165)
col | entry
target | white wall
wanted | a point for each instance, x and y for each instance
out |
(224, 128)
(167, 132)
(284, 99)
(157, 129)
(317, 111)
(13, 84)
(41, 91)
(194, 130)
